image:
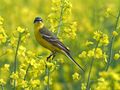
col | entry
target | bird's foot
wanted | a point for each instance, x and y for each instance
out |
(51, 55)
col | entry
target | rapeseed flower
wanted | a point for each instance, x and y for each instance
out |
(116, 56)
(2, 82)
(83, 54)
(14, 76)
(114, 33)
(90, 53)
(76, 76)
(20, 30)
(34, 83)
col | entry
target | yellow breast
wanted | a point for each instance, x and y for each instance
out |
(43, 42)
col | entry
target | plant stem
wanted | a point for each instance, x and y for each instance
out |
(2, 87)
(60, 20)
(26, 71)
(48, 74)
(111, 43)
(88, 81)
(59, 28)
(15, 59)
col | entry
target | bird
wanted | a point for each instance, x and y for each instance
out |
(50, 41)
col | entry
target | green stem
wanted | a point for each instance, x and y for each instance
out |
(2, 87)
(59, 28)
(26, 72)
(60, 20)
(111, 44)
(15, 59)
(89, 74)
(48, 74)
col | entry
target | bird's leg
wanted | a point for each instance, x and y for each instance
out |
(52, 54)
(49, 56)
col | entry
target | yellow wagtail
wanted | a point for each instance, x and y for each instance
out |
(50, 41)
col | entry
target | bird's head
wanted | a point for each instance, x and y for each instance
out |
(38, 23)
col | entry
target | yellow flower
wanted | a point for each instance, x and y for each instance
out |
(88, 43)
(102, 84)
(101, 79)
(114, 33)
(22, 73)
(97, 35)
(2, 82)
(108, 10)
(20, 30)
(22, 83)
(104, 39)
(6, 66)
(98, 53)
(22, 51)
(90, 53)
(34, 83)
(116, 56)
(83, 87)
(46, 80)
(115, 76)
(30, 53)
(3, 35)
(70, 26)
(103, 74)
(50, 65)
(14, 76)
(76, 76)
(83, 54)
(32, 62)
(100, 36)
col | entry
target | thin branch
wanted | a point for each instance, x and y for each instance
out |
(48, 74)
(15, 59)
(88, 81)
(2, 87)
(59, 28)
(26, 72)
(60, 20)
(111, 44)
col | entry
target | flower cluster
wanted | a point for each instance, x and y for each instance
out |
(101, 37)
(3, 35)
(96, 53)
(4, 75)
(104, 79)
(60, 19)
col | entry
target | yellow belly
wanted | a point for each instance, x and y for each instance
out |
(45, 43)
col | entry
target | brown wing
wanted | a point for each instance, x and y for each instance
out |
(48, 36)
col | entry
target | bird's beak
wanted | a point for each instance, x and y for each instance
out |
(34, 21)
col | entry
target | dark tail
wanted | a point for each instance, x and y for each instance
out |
(71, 58)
